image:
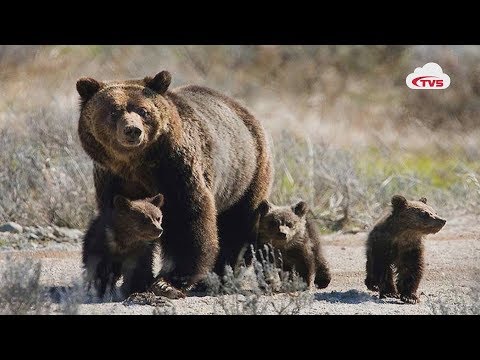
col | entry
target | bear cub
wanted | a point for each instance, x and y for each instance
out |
(287, 230)
(394, 247)
(136, 226)
(134, 223)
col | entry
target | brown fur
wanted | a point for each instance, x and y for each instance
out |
(395, 245)
(205, 152)
(288, 230)
(113, 249)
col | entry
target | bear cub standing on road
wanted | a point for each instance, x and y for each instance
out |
(287, 229)
(136, 227)
(395, 243)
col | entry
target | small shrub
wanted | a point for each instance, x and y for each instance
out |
(20, 289)
(262, 288)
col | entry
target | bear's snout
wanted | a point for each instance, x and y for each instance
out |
(130, 130)
(440, 222)
(132, 133)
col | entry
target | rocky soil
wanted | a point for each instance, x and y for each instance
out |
(16, 237)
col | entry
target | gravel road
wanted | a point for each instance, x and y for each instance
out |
(452, 270)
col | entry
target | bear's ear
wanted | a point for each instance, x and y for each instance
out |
(264, 208)
(399, 202)
(423, 200)
(120, 202)
(160, 82)
(157, 200)
(300, 209)
(87, 87)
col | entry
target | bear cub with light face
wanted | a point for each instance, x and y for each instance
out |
(288, 230)
(394, 247)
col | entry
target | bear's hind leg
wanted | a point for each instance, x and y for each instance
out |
(237, 229)
(371, 281)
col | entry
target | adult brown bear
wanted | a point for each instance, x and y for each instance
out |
(203, 151)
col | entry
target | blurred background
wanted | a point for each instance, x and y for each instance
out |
(346, 131)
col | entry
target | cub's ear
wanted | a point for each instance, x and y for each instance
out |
(120, 202)
(423, 200)
(87, 87)
(264, 208)
(160, 82)
(300, 209)
(157, 200)
(399, 202)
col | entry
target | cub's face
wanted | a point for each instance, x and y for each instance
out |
(138, 219)
(279, 224)
(125, 117)
(417, 215)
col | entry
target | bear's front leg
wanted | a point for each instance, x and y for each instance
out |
(387, 286)
(101, 270)
(322, 275)
(410, 271)
(190, 241)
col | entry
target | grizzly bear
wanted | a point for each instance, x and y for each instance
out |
(202, 150)
(394, 245)
(288, 230)
(135, 227)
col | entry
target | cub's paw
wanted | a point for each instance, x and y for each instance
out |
(322, 283)
(410, 298)
(371, 285)
(163, 288)
(389, 294)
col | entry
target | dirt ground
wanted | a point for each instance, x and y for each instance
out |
(452, 268)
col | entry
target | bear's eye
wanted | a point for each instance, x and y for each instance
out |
(142, 112)
(424, 215)
(289, 224)
(274, 222)
(114, 113)
(158, 219)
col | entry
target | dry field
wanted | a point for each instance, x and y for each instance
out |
(346, 135)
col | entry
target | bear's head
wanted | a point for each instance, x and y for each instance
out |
(416, 215)
(136, 221)
(279, 225)
(122, 118)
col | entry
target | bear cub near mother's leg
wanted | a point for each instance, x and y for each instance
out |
(288, 230)
(395, 245)
(136, 226)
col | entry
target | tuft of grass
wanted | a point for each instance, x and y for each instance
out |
(20, 289)
(21, 292)
(262, 288)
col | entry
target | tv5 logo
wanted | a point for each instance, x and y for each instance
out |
(430, 76)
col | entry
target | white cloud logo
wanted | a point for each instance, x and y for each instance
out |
(430, 76)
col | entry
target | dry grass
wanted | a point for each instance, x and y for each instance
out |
(343, 124)
(253, 290)
(21, 292)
